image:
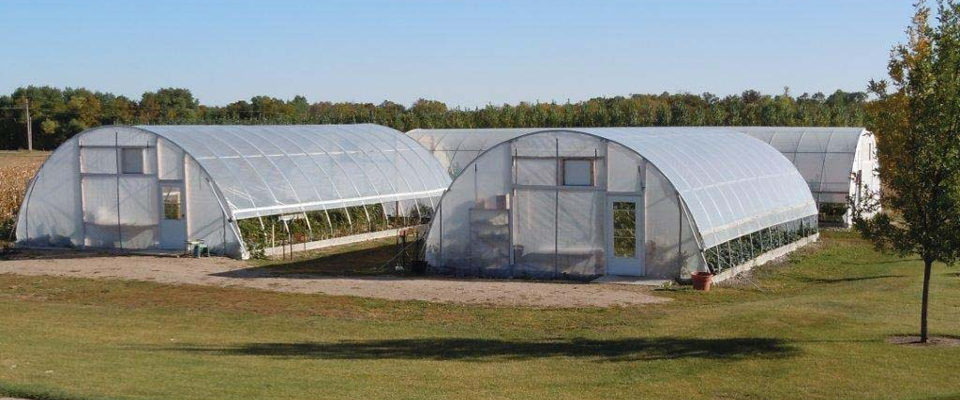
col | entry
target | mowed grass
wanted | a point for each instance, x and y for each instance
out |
(812, 328)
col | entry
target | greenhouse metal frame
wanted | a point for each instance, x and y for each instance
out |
(166, 187)
(579, 203)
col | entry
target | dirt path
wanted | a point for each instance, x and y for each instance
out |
(230, 273)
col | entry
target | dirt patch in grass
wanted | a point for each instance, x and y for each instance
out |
(225, 272)
(914, 341)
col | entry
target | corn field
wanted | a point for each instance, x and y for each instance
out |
(15, 173)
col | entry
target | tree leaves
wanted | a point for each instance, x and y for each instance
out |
(918, 142)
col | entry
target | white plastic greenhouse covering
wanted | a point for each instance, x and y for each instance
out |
(835, 162)
(455, 148)
(511, 211)
(124, 187)
(831, 160)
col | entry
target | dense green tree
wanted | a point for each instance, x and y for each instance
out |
(168, 105)
(65, 112)
(118, 110)
(919, 146)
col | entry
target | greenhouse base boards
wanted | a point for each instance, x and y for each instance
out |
(340, 241)
(109, 250)
(632, 280)
(765, 258)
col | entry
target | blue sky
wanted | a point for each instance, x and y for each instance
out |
(466, 53)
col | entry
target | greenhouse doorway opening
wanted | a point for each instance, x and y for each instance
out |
(173, 226)
(624, 236)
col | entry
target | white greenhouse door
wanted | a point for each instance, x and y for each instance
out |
(625, 252)
(173, 217)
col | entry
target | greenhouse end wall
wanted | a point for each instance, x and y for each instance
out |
(509, 214)
(104, 189)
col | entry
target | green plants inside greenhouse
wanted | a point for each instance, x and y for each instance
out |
(262, 233)
(747, 247)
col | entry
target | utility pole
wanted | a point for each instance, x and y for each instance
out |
(26, 107)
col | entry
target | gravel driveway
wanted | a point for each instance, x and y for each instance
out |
(226, 272)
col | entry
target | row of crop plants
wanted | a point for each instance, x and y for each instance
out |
(262, 233)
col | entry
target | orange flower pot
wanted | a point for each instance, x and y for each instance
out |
(702, 280)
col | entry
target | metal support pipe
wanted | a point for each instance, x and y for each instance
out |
(511, 218)
(117, 154)
(556, 215)
(440, 211)
(679, 232)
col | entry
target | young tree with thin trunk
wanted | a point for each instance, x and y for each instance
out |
(916, 118)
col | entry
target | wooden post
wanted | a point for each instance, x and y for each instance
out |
(26, 107)
(403, 248)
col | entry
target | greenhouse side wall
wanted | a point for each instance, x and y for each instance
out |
(744, 249)
(53, 221)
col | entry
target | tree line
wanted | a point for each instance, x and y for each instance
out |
(58, 114)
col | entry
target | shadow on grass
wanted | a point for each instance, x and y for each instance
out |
(934, 340)
(665, 348)
(13, 253)
(365, 263)
(850, 279)
(359, 262)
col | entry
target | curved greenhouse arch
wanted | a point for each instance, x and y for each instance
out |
(837, 163)
(694, 190)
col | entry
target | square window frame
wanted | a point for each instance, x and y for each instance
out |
(123, 157)
(563, 171)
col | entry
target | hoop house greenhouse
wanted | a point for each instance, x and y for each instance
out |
(239, 189)
(837, 163)
(651, 202)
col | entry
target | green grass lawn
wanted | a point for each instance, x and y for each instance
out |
(812, 328)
